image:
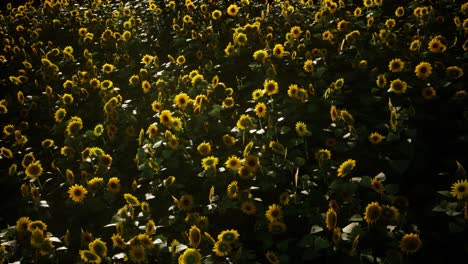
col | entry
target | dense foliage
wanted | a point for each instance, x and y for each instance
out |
(240, 131)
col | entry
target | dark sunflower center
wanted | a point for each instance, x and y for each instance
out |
(77, 192)
(461, 188)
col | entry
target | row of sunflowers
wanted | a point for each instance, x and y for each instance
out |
(209, 131)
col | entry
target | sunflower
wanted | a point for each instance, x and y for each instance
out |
(390, 214)
(398, 86)
(194, 236)
(209, 162)
(346, 167)
(59, 115)
(232, 10)
(295, 32)
(137, 254)
(134, 79)
(377, 186)
(396, 65)
(423, 70)
(105, 160)
(331, 219)
(274, 213)
(229, 140)
(233, 163)
(436, 46)
(272, 258)
(118, 241)
(277, 227)
(198, 78)
(228, 236)
(278, 51)
(270, 87)
(248, 208)
(98, 247)
(240, 39)
(185, 203)
(108, 68)
(251, 162)
(428, 92)
(257, 94)
(106, 84)
(146, 86)
(166, 117)
(375, 138)
(113, 184)
(260, 109)
(38, 224)
(277, 147)
(260, 55)
(147, 59)
(459, 189)
(89, 257)
(222, 248)
(400, 11)
(131, 200)
(216, 14)
(228, 102)
(393, 119)
(373, 213)
(381, 81)
(309, 66)
(74, 126)
(323, 154)
(6, 152)
(153, 131)
(454, 72)
(182, 100)
(204, 148)
(232, 190)
(34, 169)
(245, 122)
(410, 243)
(8, 130)
(22, 224)
(95, 184)
(190, 256)
(293, 90)
(77, 193)
(301, 129)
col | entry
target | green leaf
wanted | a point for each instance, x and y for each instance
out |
(460, 173)
(444, 193)
(284, 130)
(365, 181)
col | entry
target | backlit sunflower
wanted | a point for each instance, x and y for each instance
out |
(60, 115)
(428, 92)
(98, 247)
(459, 189)
(274, 213)
(222, 248)
(454, 72)
(248, 208)
(108, 68)
(260, 55)
(137, 254)
(131, 200)
(398, 86)
(209, 162)
(390, 214)
(410, 243)
(396, 65)
(194, 236)
(232, 190)
(331, 219)
(204, 148)
(375, 138)
(323, 154)
(277, 147)
(423, 70)
(182, 100)
(272, 258)
(113, 184)
(89, 257)
(77, 193)
(277, 227)
(34, 169)
(229, 236)
(346, 167)
(377, 186)
(190, 256)
(185, 203)
(373, 213)
(245, 122)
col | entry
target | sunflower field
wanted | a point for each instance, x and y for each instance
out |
(242, 131)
